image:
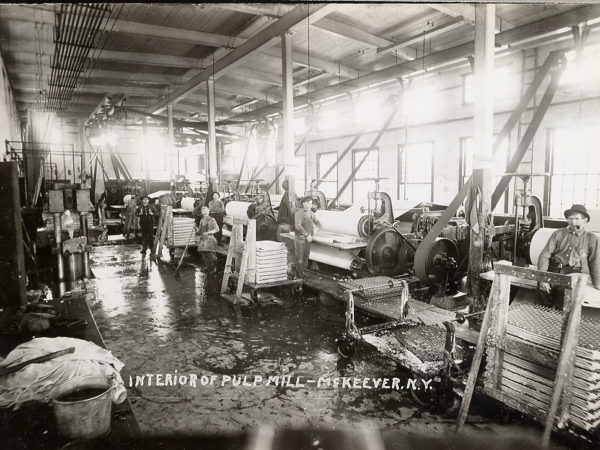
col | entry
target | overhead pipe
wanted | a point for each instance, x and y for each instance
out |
(78, 53)
(69, 35)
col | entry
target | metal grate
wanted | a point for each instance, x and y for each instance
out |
(427, 342)
(546, 324)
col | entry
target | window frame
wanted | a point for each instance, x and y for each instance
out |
(354, 172)
(337, 168)
(402, 169)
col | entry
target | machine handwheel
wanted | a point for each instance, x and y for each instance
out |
(103, 236)
(346, 348)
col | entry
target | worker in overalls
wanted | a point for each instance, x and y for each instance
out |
(304, 221)
(207, 244)
(285, 217)
(145, 215)
(569, 250)
(217, 211)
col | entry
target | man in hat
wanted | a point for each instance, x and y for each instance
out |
(570, 250)
(145, 214)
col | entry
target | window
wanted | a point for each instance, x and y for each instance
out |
(501, 76)
(367, 162)
(575, 168)
(329, 183)
(415, 179)
(466, 166)
(194, 164)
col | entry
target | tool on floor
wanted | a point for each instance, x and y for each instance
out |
(176, 273)
(39, 359)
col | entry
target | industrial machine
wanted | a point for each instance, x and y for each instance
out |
(255, 204)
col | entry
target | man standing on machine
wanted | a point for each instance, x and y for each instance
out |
(570, 250)
(304, 221)
(146, 216)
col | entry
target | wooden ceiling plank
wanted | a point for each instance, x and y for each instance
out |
(546, 26)
(237, 56)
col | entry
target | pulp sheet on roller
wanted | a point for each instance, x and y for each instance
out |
(331, 256)
(237, 209)
(187, 203)
(339, 222)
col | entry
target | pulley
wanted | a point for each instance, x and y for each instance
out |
(382, 252)
(435, 261)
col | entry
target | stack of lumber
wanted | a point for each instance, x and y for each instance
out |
(183, 228)
(271, 262)
(529, 381)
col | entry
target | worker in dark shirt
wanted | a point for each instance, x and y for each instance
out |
(570, 250)
(304, 220)
(285, 217)
(145, 214)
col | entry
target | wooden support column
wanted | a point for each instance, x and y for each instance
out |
(82, 170)
(288, 114)
(212, 134)
(171, 145)
(483, 121)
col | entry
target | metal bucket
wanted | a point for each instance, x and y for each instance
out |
(88, 418)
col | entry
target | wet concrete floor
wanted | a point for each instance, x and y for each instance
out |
(158, 324)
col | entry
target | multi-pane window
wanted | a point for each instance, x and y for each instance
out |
(365, 163)
(415, 179)
(575, 169)
(329, 183)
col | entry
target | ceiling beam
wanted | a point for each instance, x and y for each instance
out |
(302, 58)
(151, 59)
(274, 10)
(177, 34)
(547, 26)
(464, 10)
(455, 22)
(236, 56)
(351, 32)
(98, 89)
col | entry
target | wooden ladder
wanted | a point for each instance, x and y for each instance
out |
(244, 253)
(493, 331)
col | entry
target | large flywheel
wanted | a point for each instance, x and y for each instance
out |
(382, 252)
(433, 262)
(388, 254)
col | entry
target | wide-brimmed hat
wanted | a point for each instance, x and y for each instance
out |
(577, 209)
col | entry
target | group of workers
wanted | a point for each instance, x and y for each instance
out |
(569, 250)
